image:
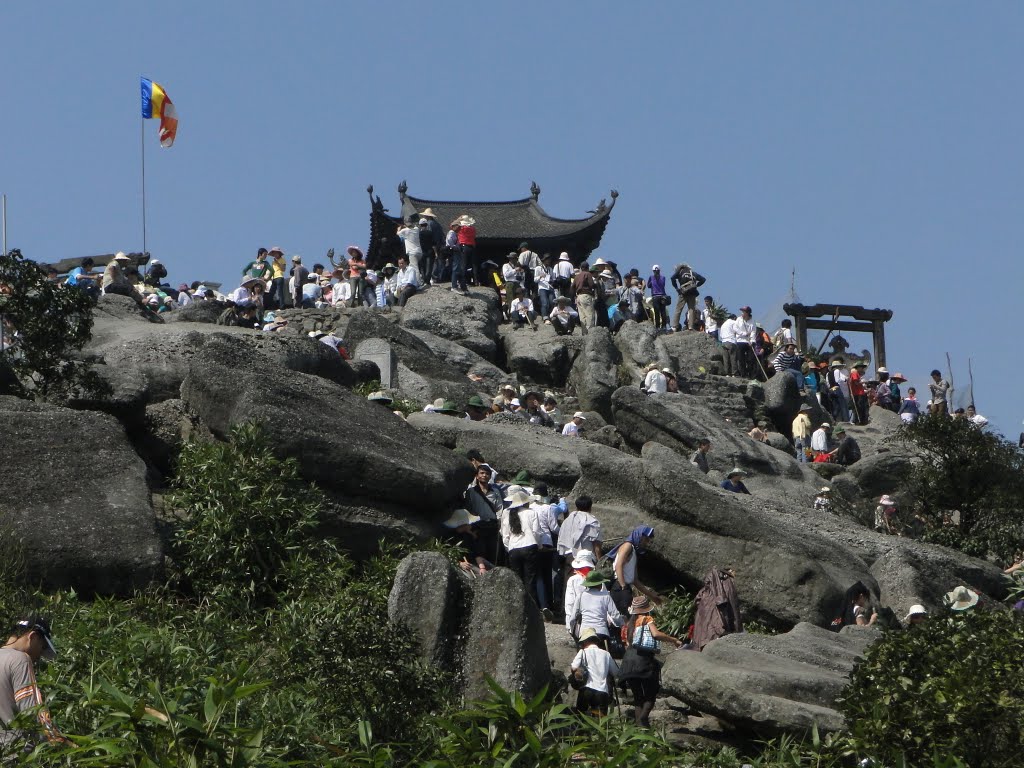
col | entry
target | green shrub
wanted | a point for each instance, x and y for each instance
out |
(953, 686)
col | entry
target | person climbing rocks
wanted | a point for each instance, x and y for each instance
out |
(594, 668)
(625, 558)
(686, 282)
(640, 668)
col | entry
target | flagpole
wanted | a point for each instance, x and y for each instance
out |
(5, 223)
(142, 147)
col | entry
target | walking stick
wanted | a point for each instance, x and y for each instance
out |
(758, 359)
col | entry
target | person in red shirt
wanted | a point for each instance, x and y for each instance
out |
(859, 394)
(465, 229)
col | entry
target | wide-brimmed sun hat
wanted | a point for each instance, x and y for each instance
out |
(428, 212)
(583, 559)
(380, 397)
(466, 220)
(595, 579)
(915, 610)
(961, 598)
(254, 281)
(887, 501)
(898, 377)
(518, 497)
(357, 249)
(640, 605)
(823, 491)
(459, 518)
(737, 471)
(589, 634)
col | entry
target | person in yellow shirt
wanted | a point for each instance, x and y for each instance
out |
(278, 284)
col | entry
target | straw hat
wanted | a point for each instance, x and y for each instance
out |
(915, 610)
(255, 281)
(459, 518)
(120, 256)
(737, 471)
(898, 377)
(961, 598)
(357, 249)
(518, 497)
(466, 220)
(640, 605)
(428, 212)
(588, 634)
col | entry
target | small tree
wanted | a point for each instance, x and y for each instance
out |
(969, 485)
(41, 324)
(952, 686)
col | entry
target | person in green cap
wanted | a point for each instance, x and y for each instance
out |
(476, 409)
(847, 452)
(594, 608)
(449, 408)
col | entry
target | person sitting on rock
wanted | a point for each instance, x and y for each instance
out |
(734, 481)
(655, 382)
(625, 558)
(856, 609)
(582, 563)
(699, 459)
(847, 452)
(759, 432)
(462, 533)
(823, 501)
(593, 608)
(789, 362)
(617, 315)
(476, 409)
(534, 412)
(594, 667)
(640, 667)
(552, 410)
(572, 428)
(671, 382)
(563, 317)
(520, 311)
(820, 440)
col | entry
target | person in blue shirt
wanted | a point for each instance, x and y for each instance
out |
(734, 482)
(82, 277)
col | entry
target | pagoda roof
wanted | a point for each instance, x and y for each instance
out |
(502, 224)
(507, 219)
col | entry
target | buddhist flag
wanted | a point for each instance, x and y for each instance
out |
(156, 103)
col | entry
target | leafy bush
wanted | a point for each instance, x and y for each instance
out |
(952, 686)
(51, 322)
(676, 614)
(969, 485)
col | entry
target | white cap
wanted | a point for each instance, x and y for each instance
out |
(515, 402)
(579, 415)
(655, 267)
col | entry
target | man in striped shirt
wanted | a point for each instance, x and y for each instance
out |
(28, 642)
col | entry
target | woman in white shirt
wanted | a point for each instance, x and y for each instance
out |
(521, 534)
(594, 666)
(595, 607)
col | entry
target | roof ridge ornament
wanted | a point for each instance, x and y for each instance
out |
(402, 189)
(534, 190)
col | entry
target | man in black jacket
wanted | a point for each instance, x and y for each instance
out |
(686, 282)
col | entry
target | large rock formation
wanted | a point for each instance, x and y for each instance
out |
(594, 375)
(477, 627)
(771, 684)
(74, 493)
(341, 441)
(470, 321)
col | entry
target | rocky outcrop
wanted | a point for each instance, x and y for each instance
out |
(771, 684)
(546, 455)
(469, 321)
(423, 376)
(342, 442)
(542, 356)
(594, 375)
(481, 373)
(478, 627)
(199, 311)
(74, 493)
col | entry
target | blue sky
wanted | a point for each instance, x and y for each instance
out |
(874, 147)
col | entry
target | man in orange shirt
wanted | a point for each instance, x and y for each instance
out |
(858, 394)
